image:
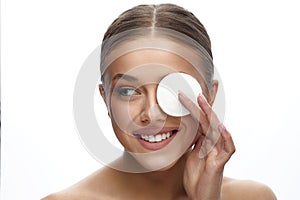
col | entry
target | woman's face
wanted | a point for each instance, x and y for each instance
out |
(130, 84)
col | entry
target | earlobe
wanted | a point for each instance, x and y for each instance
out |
(101, 90)
(213, 91)
(102, 93)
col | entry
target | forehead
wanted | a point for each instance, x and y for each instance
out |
(149, 63)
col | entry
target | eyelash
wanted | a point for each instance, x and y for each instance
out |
(123, 91)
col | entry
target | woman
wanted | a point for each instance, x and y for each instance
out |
(166, 156)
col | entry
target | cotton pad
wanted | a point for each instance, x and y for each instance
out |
(167, 93)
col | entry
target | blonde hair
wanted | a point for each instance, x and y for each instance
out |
(168, 16)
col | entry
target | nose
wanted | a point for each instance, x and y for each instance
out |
(151, 112)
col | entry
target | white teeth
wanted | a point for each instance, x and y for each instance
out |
(168, 134)
(151, 138)
(144, 137)
(156, 138)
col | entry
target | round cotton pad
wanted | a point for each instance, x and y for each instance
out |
(167, 93)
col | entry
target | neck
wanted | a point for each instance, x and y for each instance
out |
(165, 183)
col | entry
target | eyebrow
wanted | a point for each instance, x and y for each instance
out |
(124, 76)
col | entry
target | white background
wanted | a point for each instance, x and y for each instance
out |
(256, 49)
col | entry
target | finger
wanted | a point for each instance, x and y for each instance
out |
(213, 137)
(214, 123)
(197, 145)
(212, 118)
(208, 121)
(228, 144)
(195, 110)
(210, 134)
(205, 148)
(207, 109)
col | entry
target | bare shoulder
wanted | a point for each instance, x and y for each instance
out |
(60, 196)
(89, 188)
(246, 189)
(70, 194)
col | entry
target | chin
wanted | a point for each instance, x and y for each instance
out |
(159, 162)
(166, 168)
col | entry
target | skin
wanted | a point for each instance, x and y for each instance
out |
(188, 177)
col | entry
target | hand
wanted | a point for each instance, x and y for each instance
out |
(204, 167)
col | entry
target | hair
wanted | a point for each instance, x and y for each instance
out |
(163, 16)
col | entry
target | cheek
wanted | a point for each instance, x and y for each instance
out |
(124, 114)
(191, 129)
(120, 114)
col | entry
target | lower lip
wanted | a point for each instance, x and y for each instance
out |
(156, 145)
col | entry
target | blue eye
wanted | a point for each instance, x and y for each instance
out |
(126, 91)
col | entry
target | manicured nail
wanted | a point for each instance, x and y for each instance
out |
(202, 98)
(182, 95)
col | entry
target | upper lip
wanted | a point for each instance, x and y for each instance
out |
(154, 130)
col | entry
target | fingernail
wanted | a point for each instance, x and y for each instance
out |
(202, 98)
(181, 95)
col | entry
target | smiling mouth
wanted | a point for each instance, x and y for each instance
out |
(159, 137)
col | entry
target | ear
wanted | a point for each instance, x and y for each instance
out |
(213, 92)
(102, 92)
